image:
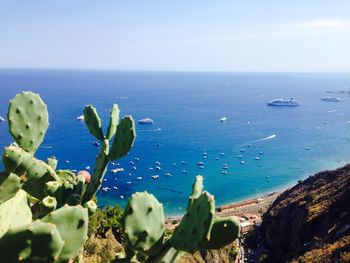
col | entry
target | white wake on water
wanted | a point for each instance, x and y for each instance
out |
(152, 130)
(273, 136)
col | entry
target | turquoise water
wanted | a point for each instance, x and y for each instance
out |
(186, 108)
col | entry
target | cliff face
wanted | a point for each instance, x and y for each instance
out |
(311, 221)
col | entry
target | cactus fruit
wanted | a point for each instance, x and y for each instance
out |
(93, 122)
(194, 229)
(86, 174)
(9, 186)
(14, 212)
(124, 138)
(223, 232)
(28, 120)
(90, 206)
(113, 122)
(36, 242)
(72, 223)
(48, 204)
(143, 222)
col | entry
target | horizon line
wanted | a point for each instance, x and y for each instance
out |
(174, 70)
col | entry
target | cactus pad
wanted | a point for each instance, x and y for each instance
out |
(52, 162)
(143, 222)
(72, 223)
(9, 186)
(36, 242)
(194, 229)
(93, 122)
(197, 189)
(28, 120)
(15, 212)
(113, 122)
(223, 232)
(124, 138)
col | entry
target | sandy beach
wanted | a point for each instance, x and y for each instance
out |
(252, 206)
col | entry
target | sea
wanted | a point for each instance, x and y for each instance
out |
(261, 148)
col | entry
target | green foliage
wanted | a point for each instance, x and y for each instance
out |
(309, 197)
(143, 227)
(41, 214)
(233, 253)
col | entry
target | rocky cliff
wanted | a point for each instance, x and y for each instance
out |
(311, 221)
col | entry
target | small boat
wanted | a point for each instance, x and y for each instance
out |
(242, 150)
(200, 163)
(132, 163)
(114, 187)
(223, 119)
(151, 168)
(113, 163)
(257, 158)
(139, 178)
(261, 152)
(117, 170)
(155, 176)
(168, 174)
(128, 182)
(307, 148)
(122, 197)
(222, 154)
(205, 153)
(134, 168)
(224, 172)
(87, 167)
(137, 159)
(242, 162)
(174, 164)
(240, 156)
(96, 143)
(201, 167)
(184, 171)
(158, 168)
(80, 118)
(332, 99)
(2, 119)
(183, 162)
(105, 180)
(217, 158)
(106, 188)
(281, 102)
(225, 166)
(66, 161)
(157, 163)
(146, 121)
(205, 157)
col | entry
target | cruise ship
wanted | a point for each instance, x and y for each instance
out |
(333, 99)
(146, 121)
(281, 102)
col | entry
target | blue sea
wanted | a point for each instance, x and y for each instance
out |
(186, 109)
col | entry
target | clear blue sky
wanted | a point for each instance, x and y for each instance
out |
(208, 35)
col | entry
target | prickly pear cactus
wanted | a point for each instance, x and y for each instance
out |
(9, 186)
(143, 222)
(28, 120)
(93, 122)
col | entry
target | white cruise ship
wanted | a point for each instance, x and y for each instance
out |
(281, 102)
(333, 99)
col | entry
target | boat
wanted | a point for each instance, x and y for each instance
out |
(183, 162)
(137, 159)
(134, 168)
(223, 119)
(96, 143)
(201, 166)
(128, 182)
(117, 170)
(200, 163)
(281, 102)
(184, 171)
(2, 119)
(224, 172)
(174, 164)
(122, 197)
(240, 156)
(151, 168)
(242, 162)
(155, 176)
(139, 178)
(158, 168)
(157, 163)
(257, 158)
(87, 167)
(168, 174)
(261, 152)
(217, 158)
(146, 121)
(80, 118)
(332, 99)
(132, 163)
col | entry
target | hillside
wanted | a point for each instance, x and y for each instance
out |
(311, 221)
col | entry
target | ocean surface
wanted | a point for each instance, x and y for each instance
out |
(291, 142)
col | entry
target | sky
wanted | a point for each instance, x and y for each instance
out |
(177, 35)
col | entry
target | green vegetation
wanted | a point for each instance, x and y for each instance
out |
(144, 228)
(43, 211)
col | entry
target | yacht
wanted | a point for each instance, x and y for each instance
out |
(80, 118)
(2, 119)
(117, 170)
(332, 99)
(223, 119)
(155, 176)
(146, 121)
(281, 102)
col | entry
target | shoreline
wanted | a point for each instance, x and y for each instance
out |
(250, 206)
